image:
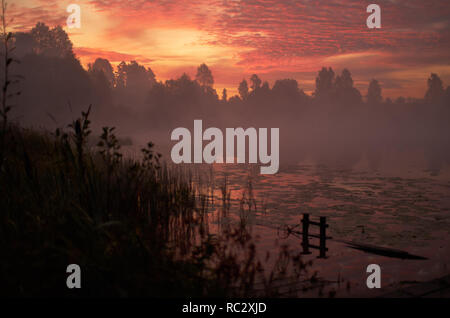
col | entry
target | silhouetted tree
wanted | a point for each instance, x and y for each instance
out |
(180, 100)
(286, 87)
(435, 90)
(288, 90)
(265, 86)
(132, 84)
(41, 38)
(243, 89)
(374, 93)
(51, 42)
(256, 82)
(121, 75)
(53, 77)
(103, 65)
(345, 93)
(224, 95)
(204, 76)
(134, 76)
(344, 81)
(61, 43)
(324, 83)
(102, 78)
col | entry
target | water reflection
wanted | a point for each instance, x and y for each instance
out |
(406, 211)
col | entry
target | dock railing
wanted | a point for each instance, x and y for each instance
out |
(322, 224)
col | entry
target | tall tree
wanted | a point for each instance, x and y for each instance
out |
(41, 38)
(435, 90)
(344, 81)
(61, 44)
(344, 91)
(104, 66)
(286, 87)
(324, 82)
(243, 89)
(204, 76)
(121, 75)
(256, 82)
(134, 76)
(374, 93)
(51, 42)
(224, 95)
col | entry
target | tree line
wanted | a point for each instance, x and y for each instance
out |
(55, 88)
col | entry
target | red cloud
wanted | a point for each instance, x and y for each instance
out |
(271, 37)
(90, 54)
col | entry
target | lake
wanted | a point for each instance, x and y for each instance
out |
(404, 207)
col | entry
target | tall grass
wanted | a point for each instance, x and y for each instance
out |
(63, 203)
(136, 227)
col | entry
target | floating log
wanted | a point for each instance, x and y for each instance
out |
(383, 251)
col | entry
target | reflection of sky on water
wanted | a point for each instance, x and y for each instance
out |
(411, 212)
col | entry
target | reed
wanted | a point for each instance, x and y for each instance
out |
(135, 227)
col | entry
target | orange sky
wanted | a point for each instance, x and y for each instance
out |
(275, 39)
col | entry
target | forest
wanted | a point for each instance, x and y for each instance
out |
(54, 87)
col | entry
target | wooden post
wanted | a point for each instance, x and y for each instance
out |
(323, 236)
(305, 240)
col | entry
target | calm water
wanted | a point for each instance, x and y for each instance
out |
(402, 202)
(403, 207)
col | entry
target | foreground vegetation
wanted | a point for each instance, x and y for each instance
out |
(133, 226)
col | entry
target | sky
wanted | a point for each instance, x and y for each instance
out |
(274, 39)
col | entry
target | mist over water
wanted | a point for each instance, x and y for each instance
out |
(405, 209)
(336, 125)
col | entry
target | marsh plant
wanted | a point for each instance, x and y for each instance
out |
(135, 227)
